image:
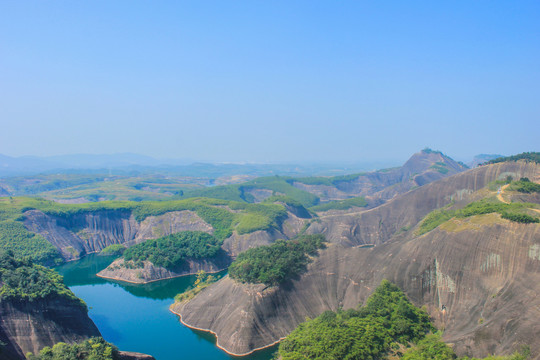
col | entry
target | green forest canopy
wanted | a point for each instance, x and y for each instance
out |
(224, 216)
(367, 333)
(24, 281)
(388, 326)
(95, 348)
(171, 251)
(527, 156)
(275, 263)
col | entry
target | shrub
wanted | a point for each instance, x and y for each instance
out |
(171, 251)
(367, 333)
(276, 263)
(114, 249)
(24, 281)
(95, 348)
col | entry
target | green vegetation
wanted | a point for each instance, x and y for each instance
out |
(495, 185)
(171, 251)
(388, 326)
(277, 184)
(295, 206)
(520, 218)
(95, 348)
(433, 348)
(312, 180)
(15, 237)
(22, 280)
(513, 212)
(328, 181)
(280, 185)
(340, 204)
(114, 249)
(203, 280)
(223, 192)
(430, 348)
(440, 167)
(387, 319)
(275, 263)
(526, 156)
(24, 244)
(99, 187)
(524, 185)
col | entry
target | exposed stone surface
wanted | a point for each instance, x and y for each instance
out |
(422, 168)
(150, 272)
(91, 232)
(478, 282)
(377, 225)
(236, 243)
(128, 355)
(30, 326)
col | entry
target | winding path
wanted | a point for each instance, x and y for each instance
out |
(500, 194)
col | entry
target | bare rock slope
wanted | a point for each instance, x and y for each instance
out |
(118, 270)
(29, 326)
(478, 277)
(91, 232)
(422, 168)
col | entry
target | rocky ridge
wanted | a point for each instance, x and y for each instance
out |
(478, 279)
(379, 186)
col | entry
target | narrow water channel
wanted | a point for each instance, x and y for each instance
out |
(137, 317)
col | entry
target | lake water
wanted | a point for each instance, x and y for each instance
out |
(137, 317)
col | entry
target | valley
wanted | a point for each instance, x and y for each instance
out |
(443, 234)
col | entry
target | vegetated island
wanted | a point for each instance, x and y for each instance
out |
(183, 253)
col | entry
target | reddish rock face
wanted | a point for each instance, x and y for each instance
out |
(479, 278)
(92, 232)
(30, 326)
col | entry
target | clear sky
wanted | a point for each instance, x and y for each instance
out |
(269, 81)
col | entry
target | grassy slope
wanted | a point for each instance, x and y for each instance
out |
(277, 184)
(99, 186)
(516, 211)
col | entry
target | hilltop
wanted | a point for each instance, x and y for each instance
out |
(377, 186)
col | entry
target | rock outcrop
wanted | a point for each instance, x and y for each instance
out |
(422, 168)
(29, 326)
(129, 355)
(91, 232)
(378, 225)
(118, 270)
(478, 278)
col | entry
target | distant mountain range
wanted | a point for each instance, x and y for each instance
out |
(133, 164)
(136, 164)
(482, 158)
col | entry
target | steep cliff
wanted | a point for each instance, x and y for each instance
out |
(93, 231)
(150, 272)
(378, 225)
(28, 326)
(477, 276)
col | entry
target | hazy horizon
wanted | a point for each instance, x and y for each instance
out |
(269, 82)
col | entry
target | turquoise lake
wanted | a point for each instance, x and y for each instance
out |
(137, 317)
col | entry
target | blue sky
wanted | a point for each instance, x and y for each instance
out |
(269, 81)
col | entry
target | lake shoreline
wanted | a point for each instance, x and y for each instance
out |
(217, 337)
(153, 281)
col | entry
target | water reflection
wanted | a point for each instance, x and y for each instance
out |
(135, 317)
